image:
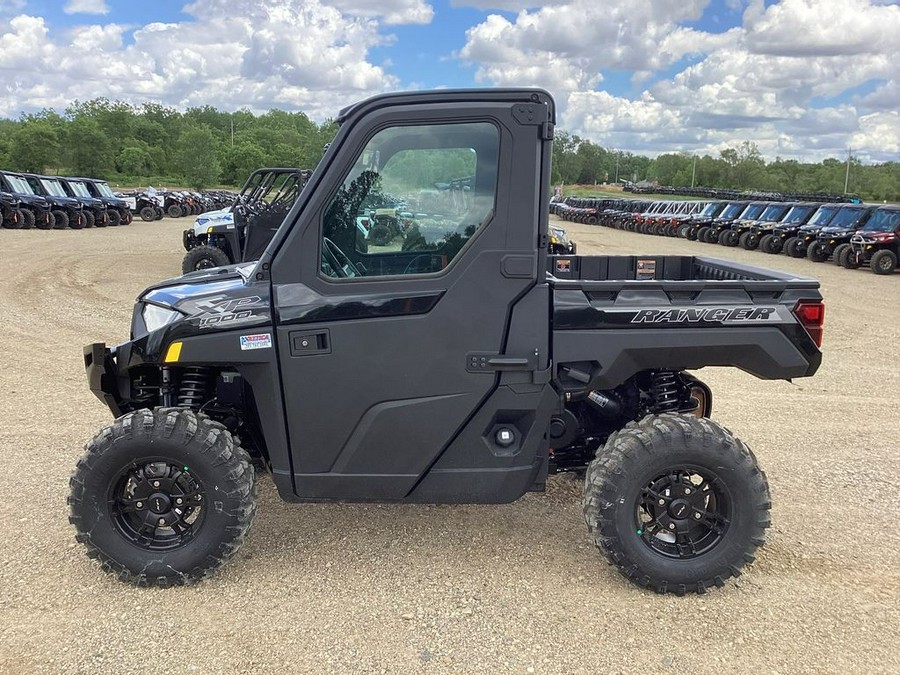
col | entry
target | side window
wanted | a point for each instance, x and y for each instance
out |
(415, 196)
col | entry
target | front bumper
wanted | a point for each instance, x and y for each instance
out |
(102, 375)
(189, 239)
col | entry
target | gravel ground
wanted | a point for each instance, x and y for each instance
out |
(461, 589)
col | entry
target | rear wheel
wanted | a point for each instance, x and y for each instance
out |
(884, 262)
(204, 257)
(702, 232)
(127, 218)
(142, 497)
(676, 503)
(148, 213)
(174, 211)
(114, 217)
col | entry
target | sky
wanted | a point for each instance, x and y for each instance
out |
(804, 79)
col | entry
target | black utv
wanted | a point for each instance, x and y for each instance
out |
(118, 211)
(67, 211)
(745, 232)
(708, 231)
(772, 235)
(464, 372)
(32, 210)
(95, 211)
(834, 240)
(241, 232)
(11, 215)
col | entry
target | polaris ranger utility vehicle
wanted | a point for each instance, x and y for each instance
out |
(33, 209)
(66, 211)
(773, 235)
(745, 232)
(877, 244)
(95, 211)
(707, 229)
(118, 211)
(11, 215)
(461, 373)
(242, 232)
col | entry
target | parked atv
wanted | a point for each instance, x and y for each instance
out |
(772, 235)
(688, 228)
(878, 244)
(709, 232)
(744, 232)
(242, 232)
(33, 210)
(798, 238)
(467, 372)
(67, 211)
(94, 208)
(838, 233)
(118, 210)
(145, 203)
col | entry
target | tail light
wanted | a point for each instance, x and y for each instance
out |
(811, 316)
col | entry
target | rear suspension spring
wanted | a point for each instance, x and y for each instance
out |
(664, 391)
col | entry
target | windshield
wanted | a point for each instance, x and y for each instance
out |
(846, 217)
(79, 188)
(710, 209)
(19, 185)
(823, 215)
(752, 212)
(883, 221)
(732, 210)
(103, 189)
(53, 187)
(773, 213)
(797, 214)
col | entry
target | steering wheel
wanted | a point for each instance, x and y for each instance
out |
(334, 259)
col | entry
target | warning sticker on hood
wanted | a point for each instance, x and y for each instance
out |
(257, 341)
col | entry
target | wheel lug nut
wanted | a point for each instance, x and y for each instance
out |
(671, 526)
(687, 491)
(162, 521)
(139, 505)
(662, 502)
(698, 515)
(156, 483)
(178, 501)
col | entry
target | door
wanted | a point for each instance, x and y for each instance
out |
(394, 290)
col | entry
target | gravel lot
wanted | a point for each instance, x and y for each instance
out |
(435, 589)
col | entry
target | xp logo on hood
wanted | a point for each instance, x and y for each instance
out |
(227, 312)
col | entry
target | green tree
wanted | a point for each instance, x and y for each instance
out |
(196, 157)
(135, 160)
(34, 147)
(89, 149)
(242, 160)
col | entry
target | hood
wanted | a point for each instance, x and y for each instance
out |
(33, 200)
(213, 218)
(220, 298)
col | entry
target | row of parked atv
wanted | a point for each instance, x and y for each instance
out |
(154, 204)
(851, 235)
(58, 202)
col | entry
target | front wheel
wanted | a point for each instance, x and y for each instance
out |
(884, 262)
(676, 503)
(162, 497)
(203, 258)
(148, 213)
(840, 254)
(817, 251)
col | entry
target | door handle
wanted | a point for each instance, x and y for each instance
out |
(483, 362)
(306, 343)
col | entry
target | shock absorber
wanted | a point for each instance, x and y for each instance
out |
(663, 391)
(193, 389)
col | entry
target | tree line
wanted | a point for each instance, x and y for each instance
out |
(202, 146)
(579, 161)
(150, 143)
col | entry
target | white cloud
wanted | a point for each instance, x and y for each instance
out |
(86, 7)
(276, 53)
(764, 81)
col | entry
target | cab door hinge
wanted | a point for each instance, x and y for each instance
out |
(547, 131)
(543, 241)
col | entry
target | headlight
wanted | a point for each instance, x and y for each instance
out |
(155, 317)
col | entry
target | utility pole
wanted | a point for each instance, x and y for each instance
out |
(694, 171)
(617, 167)
(232, 132)
(847, 175)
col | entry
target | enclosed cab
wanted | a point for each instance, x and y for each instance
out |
(67, 211)
(95, 211)
(33, 210)
(118, 211)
